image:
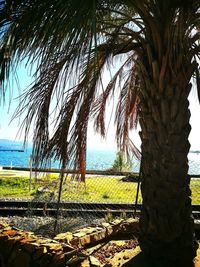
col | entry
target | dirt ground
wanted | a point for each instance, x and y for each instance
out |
(13, 173)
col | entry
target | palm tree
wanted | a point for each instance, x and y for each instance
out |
(154, 43)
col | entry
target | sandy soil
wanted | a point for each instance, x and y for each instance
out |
(13, 173)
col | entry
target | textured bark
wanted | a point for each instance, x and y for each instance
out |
(166, 224)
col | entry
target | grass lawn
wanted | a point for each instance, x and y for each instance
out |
(101, 189)
(14, 187)
(97, 189)
(195, 188)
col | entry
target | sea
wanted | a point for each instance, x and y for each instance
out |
(13, 155)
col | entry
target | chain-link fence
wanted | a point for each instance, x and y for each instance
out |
(101, 187)
(194, 172)
(195, 189)
(103, 196)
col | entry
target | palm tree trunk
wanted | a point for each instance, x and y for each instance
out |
(167, 227)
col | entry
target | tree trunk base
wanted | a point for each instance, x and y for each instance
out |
(142, 260)
(172, 254)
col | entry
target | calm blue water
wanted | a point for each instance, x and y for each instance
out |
(96, 160)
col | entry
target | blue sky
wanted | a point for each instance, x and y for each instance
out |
(8, 130)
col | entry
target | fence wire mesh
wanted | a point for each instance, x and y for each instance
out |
(103, 196)
(195, 190)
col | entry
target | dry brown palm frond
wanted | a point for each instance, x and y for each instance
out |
(126, 111)
(36, 104)
(99, 106)
(69, 139)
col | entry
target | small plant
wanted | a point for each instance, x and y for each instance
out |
(108, 217)
(121, 163)
(123, 215)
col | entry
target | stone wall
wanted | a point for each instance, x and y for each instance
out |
(23, 249)
(85, 247)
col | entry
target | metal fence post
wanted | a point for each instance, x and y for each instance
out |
(138, 189)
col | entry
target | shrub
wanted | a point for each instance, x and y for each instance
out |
(121, 163)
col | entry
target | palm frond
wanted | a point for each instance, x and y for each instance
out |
(44, 35)
(71, 43)
(69, 140)
(126, 112)
(99, 106)
(36, 104)
(197, 72)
